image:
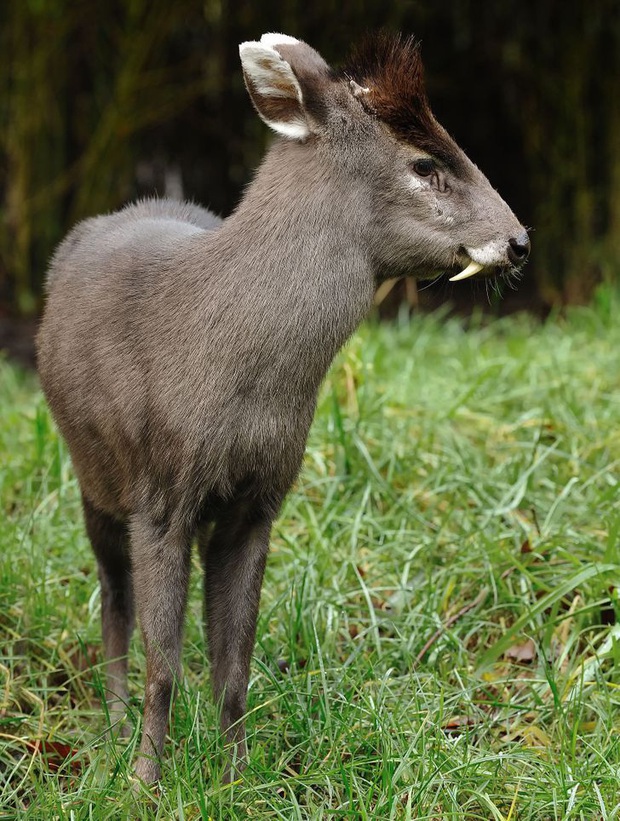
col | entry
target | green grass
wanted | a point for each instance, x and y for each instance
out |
(460, 493)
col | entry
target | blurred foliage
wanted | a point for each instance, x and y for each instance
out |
(103, 102)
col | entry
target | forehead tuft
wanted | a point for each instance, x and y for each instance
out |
(390, 66)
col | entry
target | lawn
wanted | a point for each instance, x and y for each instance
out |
(440, 616)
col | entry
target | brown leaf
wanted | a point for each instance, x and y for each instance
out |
(383, 603)
(523, 653)
(54, 754)
(458, 724)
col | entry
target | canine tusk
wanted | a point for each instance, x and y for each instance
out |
(471, 269)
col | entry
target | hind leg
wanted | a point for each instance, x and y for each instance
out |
(110, 542)
(161, 567)
(234, 556)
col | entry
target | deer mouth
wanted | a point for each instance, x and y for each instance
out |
(492, 259)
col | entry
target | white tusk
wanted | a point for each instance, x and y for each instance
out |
(471, 269)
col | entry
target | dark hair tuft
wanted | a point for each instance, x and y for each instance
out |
(390, 65)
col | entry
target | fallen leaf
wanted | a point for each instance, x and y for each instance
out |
(523, 653)
(532, 735)
(55, 754)
(459, 723)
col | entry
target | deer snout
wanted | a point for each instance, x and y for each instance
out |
(488, 258)
(519, 248)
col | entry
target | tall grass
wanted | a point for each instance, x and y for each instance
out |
(438, 634)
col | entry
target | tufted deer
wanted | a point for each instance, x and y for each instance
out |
(181, 355)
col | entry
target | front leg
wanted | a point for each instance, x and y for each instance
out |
(234, 557)
(161, 566)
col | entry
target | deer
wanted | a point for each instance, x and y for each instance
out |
(181, 355)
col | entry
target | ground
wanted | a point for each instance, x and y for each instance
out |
(438, 630)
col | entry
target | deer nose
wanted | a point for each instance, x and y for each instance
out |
(519, 248)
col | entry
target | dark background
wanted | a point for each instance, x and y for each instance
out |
(101, 102)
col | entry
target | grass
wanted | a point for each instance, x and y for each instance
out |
(439, 626)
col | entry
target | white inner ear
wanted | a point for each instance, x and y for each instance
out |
(272, 39)
(272, 77)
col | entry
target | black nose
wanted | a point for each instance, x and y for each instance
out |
(519, 248)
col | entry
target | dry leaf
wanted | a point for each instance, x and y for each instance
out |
(54, 754)
(459, 724)
(523, 653)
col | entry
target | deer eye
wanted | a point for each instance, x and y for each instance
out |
(423, 168)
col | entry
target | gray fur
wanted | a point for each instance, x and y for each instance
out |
(182, 356)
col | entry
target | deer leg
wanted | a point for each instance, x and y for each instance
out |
(161, 567)
(235, 557)
(203, 536)
(110, 542)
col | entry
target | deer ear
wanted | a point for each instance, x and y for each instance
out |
(273, 86)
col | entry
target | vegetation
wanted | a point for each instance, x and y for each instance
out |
(439, 626)
(103, 102)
